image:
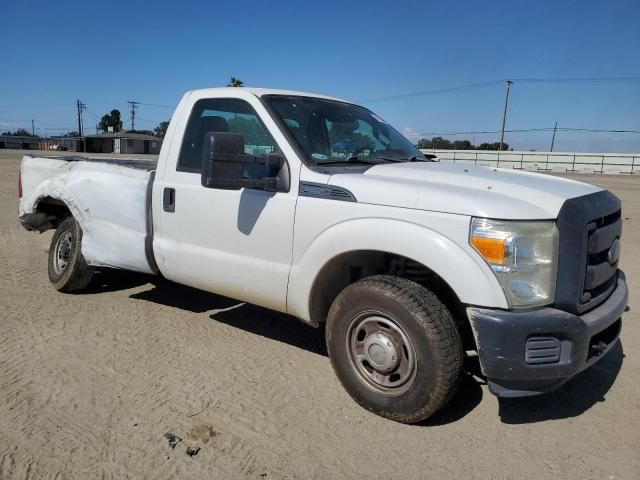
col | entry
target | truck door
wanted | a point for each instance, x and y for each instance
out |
(236, 243)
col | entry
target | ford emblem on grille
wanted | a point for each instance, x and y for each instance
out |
(614, 252)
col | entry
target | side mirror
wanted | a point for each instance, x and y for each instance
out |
(225, 165)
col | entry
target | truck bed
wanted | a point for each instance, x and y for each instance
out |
(109, 197)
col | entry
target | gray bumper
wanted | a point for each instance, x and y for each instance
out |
(527, 353)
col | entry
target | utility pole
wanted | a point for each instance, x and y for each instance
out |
(81, 107)
(553, 138)
(33, 128)
(134, 107)
(504, 115)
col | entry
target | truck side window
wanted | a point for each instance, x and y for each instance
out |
(224, 115)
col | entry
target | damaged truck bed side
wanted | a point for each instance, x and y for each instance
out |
(316, 207)
(109, 198)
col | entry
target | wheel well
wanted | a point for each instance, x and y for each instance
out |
(49, 212)
(350, 267)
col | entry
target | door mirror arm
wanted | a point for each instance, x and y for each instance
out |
(268, 184)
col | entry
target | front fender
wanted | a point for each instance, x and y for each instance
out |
(461, 268)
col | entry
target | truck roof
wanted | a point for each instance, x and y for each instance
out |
(259, 92)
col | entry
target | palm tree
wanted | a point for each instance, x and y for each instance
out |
(235, 82)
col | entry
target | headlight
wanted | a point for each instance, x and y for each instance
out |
(523, 255)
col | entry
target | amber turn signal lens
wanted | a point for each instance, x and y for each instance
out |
(492, 249)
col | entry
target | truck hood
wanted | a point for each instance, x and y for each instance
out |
(463, 189)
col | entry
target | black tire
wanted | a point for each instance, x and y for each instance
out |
(398, 308)
(68, 270)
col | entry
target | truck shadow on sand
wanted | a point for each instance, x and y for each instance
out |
(571, 400)
(289, 330)
(107, 280)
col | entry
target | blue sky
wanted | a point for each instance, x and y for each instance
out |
(106, 53)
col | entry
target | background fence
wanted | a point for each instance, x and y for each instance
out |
(612, 163)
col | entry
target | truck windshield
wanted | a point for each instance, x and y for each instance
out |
(329, 131)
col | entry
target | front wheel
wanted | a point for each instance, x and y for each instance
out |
(394, 347)
(68, 270)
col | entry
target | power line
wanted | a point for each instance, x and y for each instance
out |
(12, 120)
(156, 105)
(435, 91)
(149, 121)
(51, 128)
(443, 134)
(18, 121)
(474, 132)
(596, 130)
(579, 80)
(521, 130)
(93, 114)
(26, 123)
(502, 81)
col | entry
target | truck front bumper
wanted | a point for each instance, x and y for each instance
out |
(528, 353)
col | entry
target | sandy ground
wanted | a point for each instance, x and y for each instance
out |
(90, 383)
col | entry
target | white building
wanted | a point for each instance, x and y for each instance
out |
(123, 142)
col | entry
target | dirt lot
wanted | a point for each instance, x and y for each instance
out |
(90, 383)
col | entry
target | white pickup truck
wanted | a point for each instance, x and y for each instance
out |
(316, 207)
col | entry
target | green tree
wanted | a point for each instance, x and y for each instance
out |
(161, 130)
(425, 143)
(112, 119)
(21, 132)
(441, 143)
(235, 82)
(463, 145)
(145, 132)
(444, 144)
(493, 146)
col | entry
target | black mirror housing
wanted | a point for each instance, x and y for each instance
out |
(216, 144)
(224, 162)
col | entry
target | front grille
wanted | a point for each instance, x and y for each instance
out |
(600, 272)
(588, 227)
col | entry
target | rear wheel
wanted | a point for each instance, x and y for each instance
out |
(394, 347)
(68, 270)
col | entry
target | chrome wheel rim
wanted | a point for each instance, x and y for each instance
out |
(62, 252)
(381, 353)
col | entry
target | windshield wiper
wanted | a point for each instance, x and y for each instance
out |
(413, 158)
(358, 159)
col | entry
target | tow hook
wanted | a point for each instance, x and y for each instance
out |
(598, 349)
